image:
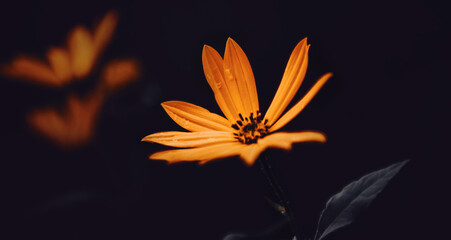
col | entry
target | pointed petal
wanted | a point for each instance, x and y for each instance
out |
(291, 81)
(238, 69)
(281, 140)
(203, 154)
(190, 139)
(81, 51)
(251, 152)
(32, 70)
(104, 32)
(60, 62)
(296, 109)
(195, 118)
(284, 140)
(214, 73)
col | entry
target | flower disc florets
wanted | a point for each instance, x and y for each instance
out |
(250, 129)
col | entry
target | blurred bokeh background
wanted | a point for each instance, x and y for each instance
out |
(388, 101)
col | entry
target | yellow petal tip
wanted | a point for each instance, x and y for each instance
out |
(166, 104)
(248, 163)
(207, 48)
(230, 41)
(145, 139)
(320, 137)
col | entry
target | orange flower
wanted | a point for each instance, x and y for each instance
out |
(244, 131)
(66, 64)
(72, 127)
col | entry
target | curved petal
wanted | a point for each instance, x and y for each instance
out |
(31, 69)
(190, 139)
(104, 32)
(81, 49)
(296, 109)
(214, 73)
(291, 81)
(237, 69)
(281, 140)
(251, 152)
(60, 62)
(284, 140)
(195, 118)
(118, 73)
(203, 154)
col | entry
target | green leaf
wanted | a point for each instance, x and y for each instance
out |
(344, 207)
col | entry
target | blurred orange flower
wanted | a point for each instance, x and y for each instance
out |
(64, 65)
(244, 131)
(74, 125)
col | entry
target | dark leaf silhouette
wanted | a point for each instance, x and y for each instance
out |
(344, 207)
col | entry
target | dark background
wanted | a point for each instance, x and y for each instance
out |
(388, 101)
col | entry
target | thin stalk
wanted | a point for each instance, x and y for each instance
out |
(268, 170)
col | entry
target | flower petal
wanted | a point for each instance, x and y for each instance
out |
(118, 73)
(203, 154)
(281, 140)
(81, 49)
(296, 109)
(190, 139)
(72, 127)
(284, 140)
(251, 152)
(60, 62)
(237, 70)
(104, 32)
(31, 69)
(291, 81)
(195, 118)
(214, 73)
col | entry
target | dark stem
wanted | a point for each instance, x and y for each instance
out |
(267, 168)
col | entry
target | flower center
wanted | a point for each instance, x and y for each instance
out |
(250, 129)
